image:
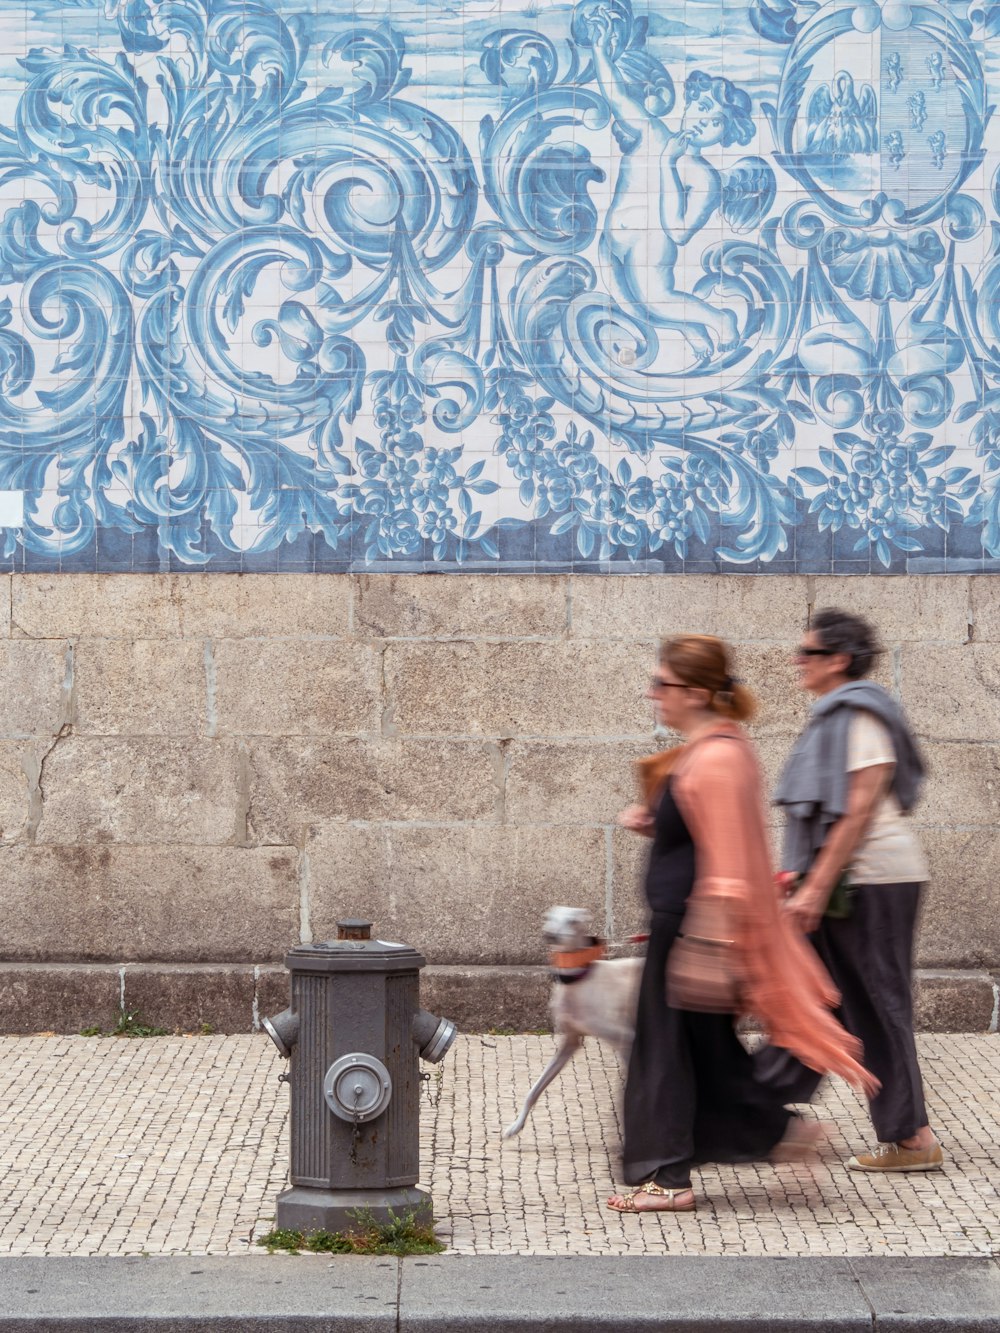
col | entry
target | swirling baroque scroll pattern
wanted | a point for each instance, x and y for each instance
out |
(256, 286)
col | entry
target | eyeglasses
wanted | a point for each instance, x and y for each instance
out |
(815, 652)
(658, 683)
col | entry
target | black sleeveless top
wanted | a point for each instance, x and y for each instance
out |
(670, 873)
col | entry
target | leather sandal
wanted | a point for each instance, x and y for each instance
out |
(652, 1190)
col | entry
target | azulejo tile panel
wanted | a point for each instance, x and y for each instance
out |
(442, 284)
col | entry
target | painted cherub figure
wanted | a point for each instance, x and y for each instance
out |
(935, 67)
(894, 70)
(938, 144)
(895, 148)
(665, 192)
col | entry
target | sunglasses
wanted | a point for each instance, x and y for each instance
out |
(658, 683)
(815, 652)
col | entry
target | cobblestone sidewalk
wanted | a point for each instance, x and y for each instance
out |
(178, 1145)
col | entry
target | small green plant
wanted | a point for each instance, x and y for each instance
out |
(399, 1235)
(132, 1024)
(205, 1029)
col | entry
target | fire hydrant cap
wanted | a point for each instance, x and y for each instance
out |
(354, 956)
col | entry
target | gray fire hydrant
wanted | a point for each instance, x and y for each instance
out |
(354, 1034)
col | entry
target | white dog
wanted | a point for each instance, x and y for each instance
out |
(591, 996)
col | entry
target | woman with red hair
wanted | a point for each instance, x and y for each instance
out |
(719, 948)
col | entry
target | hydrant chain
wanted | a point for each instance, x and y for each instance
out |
(356, 1129)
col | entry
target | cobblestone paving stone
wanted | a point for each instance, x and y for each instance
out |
(178, 1145)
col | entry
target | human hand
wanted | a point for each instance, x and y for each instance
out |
(637, 819)
(602, 31)
(805, 908)
(785, 882)
(678, 145)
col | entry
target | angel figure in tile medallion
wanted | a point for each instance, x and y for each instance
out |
(666, 191)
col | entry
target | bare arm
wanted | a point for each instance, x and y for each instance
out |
(866, 789)
(624, 107)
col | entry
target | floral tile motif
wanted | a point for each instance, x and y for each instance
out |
(451, 284)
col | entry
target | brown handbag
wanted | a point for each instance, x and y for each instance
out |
(703, 969)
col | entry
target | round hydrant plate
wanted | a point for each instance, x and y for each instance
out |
(357, 1087)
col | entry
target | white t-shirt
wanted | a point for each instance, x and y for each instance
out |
(889, 853)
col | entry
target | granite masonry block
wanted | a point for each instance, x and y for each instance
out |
(35, 681)
(168, 606)
(119, 790)
(415, 606)
(932, 609)
(571, 782)
(263, 606)
(142, 687)
(19, 762)
(952, 693)
(101, 606)
(954, 1000)
(519, 689)
(410, 880)
(191, 999)
(963, 784)
(298, 781)
(165, 904)
(481, 999)
(737, 608)
(962, 903)
(47, 997)
(629, 853)
(985, 600)
(770, 675)
(294, 687)
(273, 992)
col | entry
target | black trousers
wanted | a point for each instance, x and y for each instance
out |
(870, 958)
(691, 1095)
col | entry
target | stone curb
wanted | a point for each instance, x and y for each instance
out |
(232, 997)
(501, 1294)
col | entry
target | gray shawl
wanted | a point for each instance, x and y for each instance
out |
(813, 785)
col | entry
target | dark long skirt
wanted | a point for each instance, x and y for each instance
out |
(870, 958)
(691, 1095)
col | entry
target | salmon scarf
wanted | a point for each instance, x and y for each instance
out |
(718, 786)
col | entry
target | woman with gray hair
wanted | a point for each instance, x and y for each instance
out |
(857, 873)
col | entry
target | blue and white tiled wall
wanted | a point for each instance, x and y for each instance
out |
(499, 284)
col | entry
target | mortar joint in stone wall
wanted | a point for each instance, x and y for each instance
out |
(305, 915)
(211, 690)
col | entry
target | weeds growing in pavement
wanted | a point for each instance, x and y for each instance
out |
(399, 1235)
(130, 1024)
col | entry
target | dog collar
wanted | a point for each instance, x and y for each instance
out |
(572, 965)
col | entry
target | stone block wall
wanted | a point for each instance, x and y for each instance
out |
(197, 771)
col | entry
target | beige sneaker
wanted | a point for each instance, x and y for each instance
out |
(894, 1157)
